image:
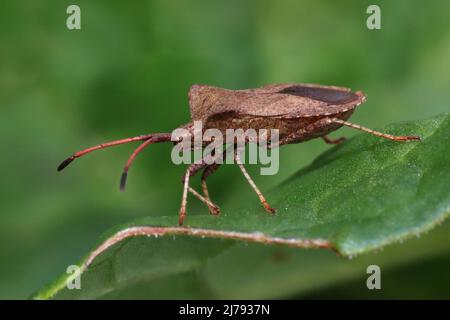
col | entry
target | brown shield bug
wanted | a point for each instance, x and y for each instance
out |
(299, 112)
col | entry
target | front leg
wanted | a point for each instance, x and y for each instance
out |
(192, 170)
(206, 173)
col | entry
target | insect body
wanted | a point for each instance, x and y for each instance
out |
(299, 112)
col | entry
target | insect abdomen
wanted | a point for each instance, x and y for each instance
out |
(285, 126)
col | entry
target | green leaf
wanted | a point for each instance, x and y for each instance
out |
(354, 198)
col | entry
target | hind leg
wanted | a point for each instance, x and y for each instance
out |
(375, 133)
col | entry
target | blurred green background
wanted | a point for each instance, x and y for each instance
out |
(127, 72)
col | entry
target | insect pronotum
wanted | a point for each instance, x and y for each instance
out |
(300, 112)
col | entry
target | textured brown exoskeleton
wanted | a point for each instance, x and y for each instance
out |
(299, 111)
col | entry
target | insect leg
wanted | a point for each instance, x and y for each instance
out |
(214, 210)
(252, 184)
(376, 133)
(193, 169)
(333, 141)
(157, 136)
(184, 197)
(206, 173)
(210, 169)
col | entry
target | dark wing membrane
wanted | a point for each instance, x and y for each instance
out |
(329, 96)
(281, 100)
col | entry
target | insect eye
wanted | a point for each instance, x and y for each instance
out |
(330, 96)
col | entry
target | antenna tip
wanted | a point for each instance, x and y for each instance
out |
(123, 180)
(65, 163)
